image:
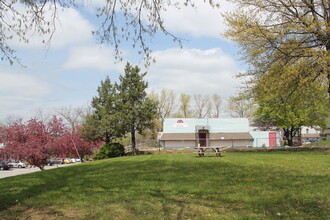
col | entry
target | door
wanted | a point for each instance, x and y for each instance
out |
(202, 139)
(272, 139)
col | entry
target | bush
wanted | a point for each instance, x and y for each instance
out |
(110, 150)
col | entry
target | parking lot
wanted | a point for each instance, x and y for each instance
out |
(20, 171)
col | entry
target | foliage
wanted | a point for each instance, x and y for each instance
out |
(102, 124)
(36, 141)
(77, 146)
(296, 107)
(165, 105)
(121, 109)
(110, 150)
(137, 111)
(283, 33)
(241, 106)
(263, 185)
(203, 105)
(185, 110)
(22, 19)
(216, 98)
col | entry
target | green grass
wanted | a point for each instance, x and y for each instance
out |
(325, 143)
(250, 185)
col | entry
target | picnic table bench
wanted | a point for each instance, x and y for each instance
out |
(207, 150)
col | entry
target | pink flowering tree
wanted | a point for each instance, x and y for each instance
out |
(76, 145)
(34, 141)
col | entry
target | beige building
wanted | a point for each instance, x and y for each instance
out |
(215, 132)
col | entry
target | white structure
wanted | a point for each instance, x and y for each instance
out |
(181, 133)
(310, 134)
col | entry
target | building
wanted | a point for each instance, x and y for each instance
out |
(217, 132)
(309, 134)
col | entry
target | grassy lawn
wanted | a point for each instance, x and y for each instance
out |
(259, 185)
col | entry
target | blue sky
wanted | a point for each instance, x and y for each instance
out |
(70, 70)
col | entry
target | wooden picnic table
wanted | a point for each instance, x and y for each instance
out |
(205, 150)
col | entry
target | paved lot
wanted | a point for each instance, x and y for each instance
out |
(20, 171)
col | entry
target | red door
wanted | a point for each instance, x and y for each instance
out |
(272, 139)
(202, 139)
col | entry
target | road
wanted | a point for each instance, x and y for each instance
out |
(20, 171)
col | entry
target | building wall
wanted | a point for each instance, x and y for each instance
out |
(230, 143)
(261, 138)
(179, 144)
(213, 143)
(309, 130)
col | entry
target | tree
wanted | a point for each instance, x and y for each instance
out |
(142, 21)
(73, 117)
(34, 141)
(217, 104)
(76, 145)
(165, 104)
(241, 106)
(184, 102)
(137, 111)
(110, 150)
(283, 33)
(203, 106)
(103, 122)
(291, 109)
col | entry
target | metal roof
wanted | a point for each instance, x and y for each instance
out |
(214, 125)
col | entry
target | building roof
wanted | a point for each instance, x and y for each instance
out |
(214, 125)
(213, 136)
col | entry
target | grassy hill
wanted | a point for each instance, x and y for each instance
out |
(178, 186)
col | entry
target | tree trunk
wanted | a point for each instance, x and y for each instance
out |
(40, 166)
(288, 135)
(133, 142)
(327, 47)
(107, 138)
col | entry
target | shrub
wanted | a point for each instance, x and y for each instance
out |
(110, 150)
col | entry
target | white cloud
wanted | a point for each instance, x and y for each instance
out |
(202, 20)
(95, 57)
(194, 71)
(71, 29)
(19, 91)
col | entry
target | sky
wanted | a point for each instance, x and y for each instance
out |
(68, 72)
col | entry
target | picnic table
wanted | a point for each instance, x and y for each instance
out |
(206, 150)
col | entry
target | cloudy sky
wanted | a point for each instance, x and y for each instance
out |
(68, 72)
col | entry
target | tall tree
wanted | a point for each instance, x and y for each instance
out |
(217, 105)
(202, 105)
(281, 33)
(102, 123)
(184, 105)
(241, 106)
(165, 103)
(137, 111)
(72, 116)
